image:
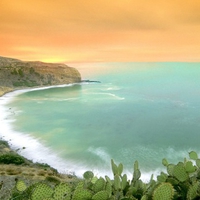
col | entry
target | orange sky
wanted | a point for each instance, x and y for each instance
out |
(100, 30)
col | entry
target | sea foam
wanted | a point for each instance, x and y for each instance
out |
(34, 149)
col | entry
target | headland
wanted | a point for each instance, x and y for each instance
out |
(16, 74)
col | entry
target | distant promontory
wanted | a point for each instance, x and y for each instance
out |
(17, 74)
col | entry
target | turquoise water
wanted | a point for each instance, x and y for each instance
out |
(139, 111)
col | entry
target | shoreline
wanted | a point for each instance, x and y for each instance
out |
(66, 167)
(18, 140)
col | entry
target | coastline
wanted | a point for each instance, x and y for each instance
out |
(33, 170)
(18, 140)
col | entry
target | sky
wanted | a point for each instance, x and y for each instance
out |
(74, 31)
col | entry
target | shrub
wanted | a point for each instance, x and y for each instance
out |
(10, 158)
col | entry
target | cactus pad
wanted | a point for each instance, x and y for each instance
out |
(117, 182)
(41, 192)
(20, 186)
(192, 192)
(99, 185)
(120, 169)
(102, 195)
(170, 169)
(193, 155)
(88, 175)
(114, 167)
(108, 188)
(124, 181)
(82, 194)
(164, 191)
(189, 167)
(62, 191)
(180, 173)
(165, 162)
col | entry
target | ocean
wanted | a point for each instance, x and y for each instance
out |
(138, 111)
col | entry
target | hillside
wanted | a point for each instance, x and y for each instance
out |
(17, 74)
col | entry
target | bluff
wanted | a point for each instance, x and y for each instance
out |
(17, 74)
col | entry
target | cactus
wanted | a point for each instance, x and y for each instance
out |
(82, 194)
(80, 185)
(88, 175)
(41, 192)
(94, 179)
(136, 172)
(193, 155)
(120, 168)
(170, 169)
(108, 179)
(164, 191)
(192, 191)
(20, 186)
(189, 167)
(108, 188)
(165, 162)
(180, 173)
(102, 195)
(198, 163)
(117, 182)
(114, 167)
(124, 181)
(99, 185)
(62, 191)
(162, 177)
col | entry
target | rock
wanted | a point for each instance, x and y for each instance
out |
(17, 74)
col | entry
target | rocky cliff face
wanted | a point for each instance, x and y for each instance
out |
(16, 74)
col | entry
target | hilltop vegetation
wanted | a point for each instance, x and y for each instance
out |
(17, 74)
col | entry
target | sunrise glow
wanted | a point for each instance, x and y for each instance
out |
(95, 31)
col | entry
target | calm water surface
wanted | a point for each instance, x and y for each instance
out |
(139, 111)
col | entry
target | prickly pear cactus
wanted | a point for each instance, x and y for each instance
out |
(41, 192)
(124, 181)
(80, 185)
(120, 168)
(114, 167)
(193, 155)
(162, 177)
(99, 185)
(189, 167)
(170, 169)
(62, 191)
(165, 162)
(117, 182)
(164, 191)
(94, 179)
(136, 172)
(82, 194)
(20, 186)
(180, 173)
(192, 191)
(88, 175)
(102, 195)
(108, 188)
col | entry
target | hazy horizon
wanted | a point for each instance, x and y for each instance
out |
(100, 31)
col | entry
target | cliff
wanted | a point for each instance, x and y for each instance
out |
(17, 74)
